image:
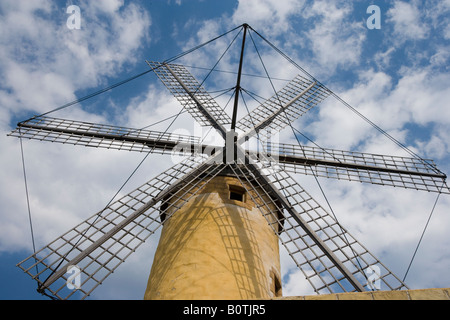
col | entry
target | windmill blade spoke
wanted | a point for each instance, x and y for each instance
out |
(287, 105)
(192, 96)
(100, 244)
(405, 172)
(102, 136)
(330, 258)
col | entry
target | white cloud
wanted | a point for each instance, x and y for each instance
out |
(336, 40)
(44, 62)
(110, 6)
(423, 93)
(408, 21)
(417, 98)
(383, 58)
(447, 32)
(438, 146)
(337, 127)
(270, 17)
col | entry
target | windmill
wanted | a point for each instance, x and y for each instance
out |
(249, 196)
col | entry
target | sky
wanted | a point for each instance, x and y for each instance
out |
(396, 75)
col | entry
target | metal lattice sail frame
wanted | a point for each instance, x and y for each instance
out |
(331, 259)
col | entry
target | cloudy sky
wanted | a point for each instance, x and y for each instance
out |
(397, 76)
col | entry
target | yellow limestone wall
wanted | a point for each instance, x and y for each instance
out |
(419, 294)
(216, 248)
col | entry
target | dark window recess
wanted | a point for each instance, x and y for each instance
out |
(278, 288)
(237, 193)
(276, 285)
(236, 196)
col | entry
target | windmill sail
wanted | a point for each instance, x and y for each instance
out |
(101, 135)
(192, 96)
(287, 105)
(404, 172)
(104, 241)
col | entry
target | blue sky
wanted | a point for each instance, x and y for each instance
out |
(398, 76)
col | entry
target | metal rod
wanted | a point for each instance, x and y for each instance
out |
(238, 82)
(157, 143)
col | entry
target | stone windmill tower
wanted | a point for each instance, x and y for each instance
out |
(223, 210)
